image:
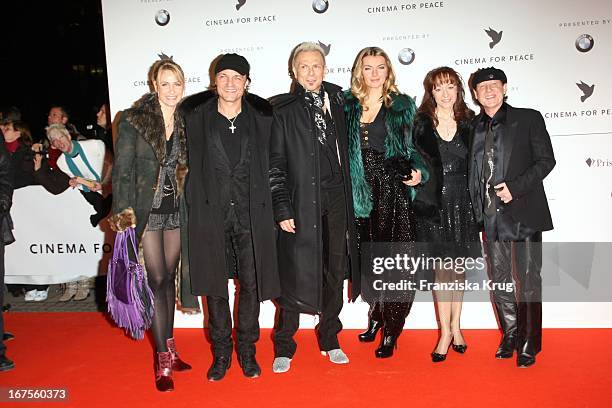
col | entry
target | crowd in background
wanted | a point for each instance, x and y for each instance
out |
(46, 159)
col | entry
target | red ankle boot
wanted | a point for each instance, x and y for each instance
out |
(163, 372)
(177, 363)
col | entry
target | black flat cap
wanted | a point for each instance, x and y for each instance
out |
(488, 74)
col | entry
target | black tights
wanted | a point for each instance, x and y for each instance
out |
(161, 255)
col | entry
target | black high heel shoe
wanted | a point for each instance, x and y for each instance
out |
(459, 348)
(369, 335)
(437, 357)
(387, 345)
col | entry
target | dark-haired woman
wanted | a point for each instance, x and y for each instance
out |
(441, 133)
(379, 123)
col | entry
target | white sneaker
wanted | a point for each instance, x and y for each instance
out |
(30, 295)
(41, 295)
(336, 356)
(281, 365)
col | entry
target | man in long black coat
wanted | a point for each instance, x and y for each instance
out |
(311, 192)
(230, 209)
(511, 154)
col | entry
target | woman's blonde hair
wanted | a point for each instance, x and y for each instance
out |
(358, 85)
(167, 64)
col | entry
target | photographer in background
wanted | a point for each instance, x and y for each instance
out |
(29, 167)
(101, 130)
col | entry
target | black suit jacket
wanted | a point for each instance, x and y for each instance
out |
(528, 158)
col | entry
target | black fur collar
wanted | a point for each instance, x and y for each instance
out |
(146, 117)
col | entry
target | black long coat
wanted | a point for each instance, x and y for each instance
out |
(207, 262)
(294, 179)
(528, 158)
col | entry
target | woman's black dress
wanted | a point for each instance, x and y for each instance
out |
(391, 221)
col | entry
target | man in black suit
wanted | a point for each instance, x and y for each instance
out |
(511, 153)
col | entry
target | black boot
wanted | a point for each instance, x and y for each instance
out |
(387, 345)
(529, 341)
(507, 315)
(219, 367)
(369, 335)
(5, 363)
(249, 366)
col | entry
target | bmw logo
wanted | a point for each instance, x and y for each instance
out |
(320, 6)
(406, 56)
(162, 17)
(584, 43)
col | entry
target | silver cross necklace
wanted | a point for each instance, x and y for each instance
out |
(231, 121)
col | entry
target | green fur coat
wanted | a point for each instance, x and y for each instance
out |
(398, 121)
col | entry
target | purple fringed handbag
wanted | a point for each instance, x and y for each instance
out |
(129, 298)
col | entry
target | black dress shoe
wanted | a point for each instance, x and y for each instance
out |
(369, 335)
(525, 360)
(219, 367)
(7, 336)
(5, 363)
(249, 366)
(387, 345)
(506, 347)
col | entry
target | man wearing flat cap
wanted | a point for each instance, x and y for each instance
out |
(231, 227)
(511, 154)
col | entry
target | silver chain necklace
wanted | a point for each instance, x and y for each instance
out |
(231, 121)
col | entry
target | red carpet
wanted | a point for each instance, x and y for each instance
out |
(101, 367)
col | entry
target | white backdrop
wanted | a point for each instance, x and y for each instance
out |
(546, 48)
(54, 240)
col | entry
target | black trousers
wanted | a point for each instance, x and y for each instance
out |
(220, 320)
(2, 346)
(519, 310)
(333, 212)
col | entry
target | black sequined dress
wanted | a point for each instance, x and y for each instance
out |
(391, 220)
(457, 233)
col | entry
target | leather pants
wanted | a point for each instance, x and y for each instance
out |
(519, 310)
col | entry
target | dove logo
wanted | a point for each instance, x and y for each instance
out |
(162, 18)
(406, 56)
(587, 90)
(494, 36)
(163, 56)
(325, 48)
(240, 4)
(584, 43)
(320, 6)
